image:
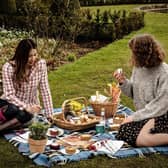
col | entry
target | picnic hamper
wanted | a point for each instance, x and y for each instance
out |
(109, 107)
(110, 104)
(61, 121)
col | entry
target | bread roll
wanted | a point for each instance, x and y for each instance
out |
(70, 150)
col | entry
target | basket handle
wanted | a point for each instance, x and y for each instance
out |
(68, 100)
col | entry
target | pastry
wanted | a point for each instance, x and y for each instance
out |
(70, 150)
(114, 127)
(85, 137)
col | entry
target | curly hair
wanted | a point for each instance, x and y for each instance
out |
(146, 51)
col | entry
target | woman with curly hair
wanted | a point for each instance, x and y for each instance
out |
(23, 76)
(148, 87)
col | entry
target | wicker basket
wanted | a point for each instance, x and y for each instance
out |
(110, 108)
(119, 118)
(60, 120)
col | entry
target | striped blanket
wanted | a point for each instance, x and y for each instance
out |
(50, 157)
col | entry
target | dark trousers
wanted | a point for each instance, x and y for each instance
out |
(11, 111)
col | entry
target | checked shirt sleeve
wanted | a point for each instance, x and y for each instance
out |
(8, 86)
(45, 90)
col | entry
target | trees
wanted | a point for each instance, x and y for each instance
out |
(65, 19)
(8, 6)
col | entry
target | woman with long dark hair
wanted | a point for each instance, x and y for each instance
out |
(23, 76)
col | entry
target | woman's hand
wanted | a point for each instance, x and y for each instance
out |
(119, 76)
(33, 108)
(127, 120)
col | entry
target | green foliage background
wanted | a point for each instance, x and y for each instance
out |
(83, 78)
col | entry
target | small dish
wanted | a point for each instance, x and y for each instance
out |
(63, 151)
(60, 132)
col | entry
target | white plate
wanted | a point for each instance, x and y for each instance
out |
(60, 132)
(64, 152)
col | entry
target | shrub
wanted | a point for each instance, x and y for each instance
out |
(71, 57)
(115, 2)
(108, 26)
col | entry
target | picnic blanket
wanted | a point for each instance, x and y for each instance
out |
(50, 158)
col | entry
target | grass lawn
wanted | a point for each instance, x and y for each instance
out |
(83, 78)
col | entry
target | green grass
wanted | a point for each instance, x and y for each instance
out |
(114, 7)
(92, 73)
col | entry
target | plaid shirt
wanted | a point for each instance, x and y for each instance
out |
(27, 93)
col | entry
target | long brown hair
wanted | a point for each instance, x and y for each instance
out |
(146, 51)
(21, 57)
